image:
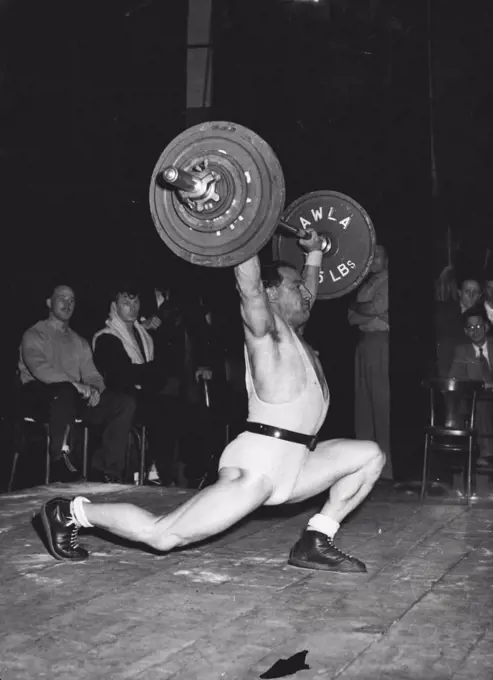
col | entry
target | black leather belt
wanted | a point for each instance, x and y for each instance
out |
(278, 433)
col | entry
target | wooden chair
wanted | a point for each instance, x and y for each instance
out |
(452, 425)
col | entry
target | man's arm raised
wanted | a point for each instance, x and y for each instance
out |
(256, 311)
(313, 262)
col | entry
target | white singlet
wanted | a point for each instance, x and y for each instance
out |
(279, 460)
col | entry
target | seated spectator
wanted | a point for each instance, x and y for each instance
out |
(124, 354)
(473, 361)
(449, 327)
(58, 375)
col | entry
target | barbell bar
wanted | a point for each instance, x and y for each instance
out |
(196, 188)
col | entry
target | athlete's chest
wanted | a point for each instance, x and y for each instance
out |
(316, 365)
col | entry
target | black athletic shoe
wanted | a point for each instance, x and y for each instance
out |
(315, 550)
(62, 531)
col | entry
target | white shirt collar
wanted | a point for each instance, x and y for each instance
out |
(484, 347)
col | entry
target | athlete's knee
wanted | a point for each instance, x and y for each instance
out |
(162, 541)
(159, 535)
(375, 456)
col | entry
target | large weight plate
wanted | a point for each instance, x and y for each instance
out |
(251, 189)
(352, 236)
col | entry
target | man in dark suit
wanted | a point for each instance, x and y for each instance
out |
(474, 361)
(180, 332)
(449, 326)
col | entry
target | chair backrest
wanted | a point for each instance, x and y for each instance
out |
(453, 402)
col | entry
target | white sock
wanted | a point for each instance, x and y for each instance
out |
(326, 525)
(78, 512)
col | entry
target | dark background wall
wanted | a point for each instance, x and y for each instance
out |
(462, 61)
(87, 104)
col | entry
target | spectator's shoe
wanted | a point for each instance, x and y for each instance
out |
(63, 470)
(315, 550)
(439, 487)
(104, 477)
(111, 479)
(62, 530)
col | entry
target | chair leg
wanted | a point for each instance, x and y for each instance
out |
(13, 471)
(84, 451)
(127, 456)
(143, 449)
(48, 461)
(424, 478)
(469, 473)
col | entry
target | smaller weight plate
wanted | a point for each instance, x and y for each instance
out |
(350, 230)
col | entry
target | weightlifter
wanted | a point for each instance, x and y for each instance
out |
(276, 460)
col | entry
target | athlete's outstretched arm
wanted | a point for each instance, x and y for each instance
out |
(311, 270)
(256, 311)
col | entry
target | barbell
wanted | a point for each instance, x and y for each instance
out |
(217, 198)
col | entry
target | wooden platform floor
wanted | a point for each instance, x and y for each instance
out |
(231, 608)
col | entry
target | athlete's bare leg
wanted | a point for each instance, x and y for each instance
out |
(350, 469)
(235, 495)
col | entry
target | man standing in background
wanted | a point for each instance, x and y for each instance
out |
(370, 312)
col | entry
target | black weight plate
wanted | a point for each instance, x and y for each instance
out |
(352, 236)
(252, 192)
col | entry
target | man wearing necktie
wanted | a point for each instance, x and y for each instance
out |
(474, 361)
(449, 326)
